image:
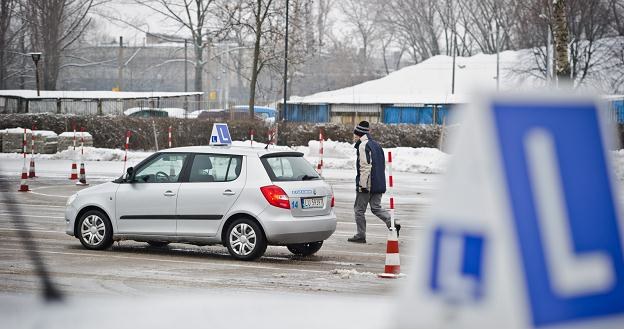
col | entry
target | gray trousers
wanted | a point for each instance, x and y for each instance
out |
(362, 200)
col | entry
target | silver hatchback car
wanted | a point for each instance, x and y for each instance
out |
(243, 198)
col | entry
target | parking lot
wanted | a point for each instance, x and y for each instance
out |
(135, 269)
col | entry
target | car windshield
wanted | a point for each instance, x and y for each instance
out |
(289, 168)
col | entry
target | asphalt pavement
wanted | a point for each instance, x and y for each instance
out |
(136, 269)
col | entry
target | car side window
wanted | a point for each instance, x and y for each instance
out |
(215, 168)
(164, 168)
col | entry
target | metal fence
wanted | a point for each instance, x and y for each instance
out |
(115, 107)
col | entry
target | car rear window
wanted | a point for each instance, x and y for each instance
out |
(289, 168)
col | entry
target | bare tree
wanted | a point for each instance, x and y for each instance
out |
(617, 11)
(322, 14)
(7, 35)
(54, 25)
(364, 18)
(416, 24)
(201, 19)
(260, 20)
(560, 30)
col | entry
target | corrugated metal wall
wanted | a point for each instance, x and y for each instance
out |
(316, 113)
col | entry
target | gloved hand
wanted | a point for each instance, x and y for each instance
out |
(363, 189)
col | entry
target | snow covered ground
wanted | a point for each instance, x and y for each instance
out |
(337, 155)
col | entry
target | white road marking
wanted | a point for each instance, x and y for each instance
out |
(34, 216)
(171, 261)
(32, 205)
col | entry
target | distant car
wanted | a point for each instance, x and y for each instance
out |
(148, 112)
(240, 112)
(240, 197)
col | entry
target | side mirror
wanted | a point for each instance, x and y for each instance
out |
(129, 174)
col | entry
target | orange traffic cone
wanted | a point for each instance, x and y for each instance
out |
(31, 171)
(393, 262)
(83, 175)
(24, 184)
(74, 172)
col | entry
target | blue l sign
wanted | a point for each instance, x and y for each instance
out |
(457, 265)
(224, 133)
(564, 218)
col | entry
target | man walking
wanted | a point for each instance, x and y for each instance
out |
(370, 181)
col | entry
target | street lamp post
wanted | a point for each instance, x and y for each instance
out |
(36, 57)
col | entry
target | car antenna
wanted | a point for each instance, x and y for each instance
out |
(50, 292)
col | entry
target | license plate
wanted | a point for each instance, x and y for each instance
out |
(308, 203)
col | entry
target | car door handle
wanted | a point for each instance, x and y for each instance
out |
(169, 193)
(228, 192)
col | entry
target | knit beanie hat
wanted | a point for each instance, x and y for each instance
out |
(362, 128)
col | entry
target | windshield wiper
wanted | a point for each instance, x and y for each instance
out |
(308, 177)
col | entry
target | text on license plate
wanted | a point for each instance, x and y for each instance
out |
(307, 203)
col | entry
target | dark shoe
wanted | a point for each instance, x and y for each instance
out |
(398, 228)
(357, 239)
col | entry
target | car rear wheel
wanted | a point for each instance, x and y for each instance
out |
(245, 239)
(158, 244)
(95, 231)
(305, 249)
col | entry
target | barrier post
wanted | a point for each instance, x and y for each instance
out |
(128, 134)
(31, 170)
(24, 181)
(392, 269)
(170, 136)
(320, 164)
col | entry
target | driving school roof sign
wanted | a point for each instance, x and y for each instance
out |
(220, 134)
(528, 233)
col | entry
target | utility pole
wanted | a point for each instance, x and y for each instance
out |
(227, 76)
(281, 115)
(120, 65)
(185, 76)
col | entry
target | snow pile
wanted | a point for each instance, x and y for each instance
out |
(99, 154)
(339, 155)
(347, 274)
(17, 130)
(618, 164)
(331, 149)
(423, 160)
(45, 133)
(78, 134)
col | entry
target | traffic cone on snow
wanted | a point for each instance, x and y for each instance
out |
(31, 170)
(393, 262)
(83, 176)
(24, 184)
(74, 172)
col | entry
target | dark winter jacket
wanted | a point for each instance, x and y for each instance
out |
(370, 165)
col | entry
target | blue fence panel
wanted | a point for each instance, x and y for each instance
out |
(408, 115)
(391, 115)
(307, 113)
(618, 110)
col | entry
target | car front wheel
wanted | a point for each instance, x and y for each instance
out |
(245, 239)
(305, 249)
(95, 231)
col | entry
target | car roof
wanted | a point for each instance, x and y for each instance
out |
(235, 150)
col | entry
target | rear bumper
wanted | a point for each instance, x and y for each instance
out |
(282, 228)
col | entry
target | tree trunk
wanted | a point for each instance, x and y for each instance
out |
(561, 41)
(256, 60)
(199, 64)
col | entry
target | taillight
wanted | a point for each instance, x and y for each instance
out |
(333, 201)
(275, 196)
